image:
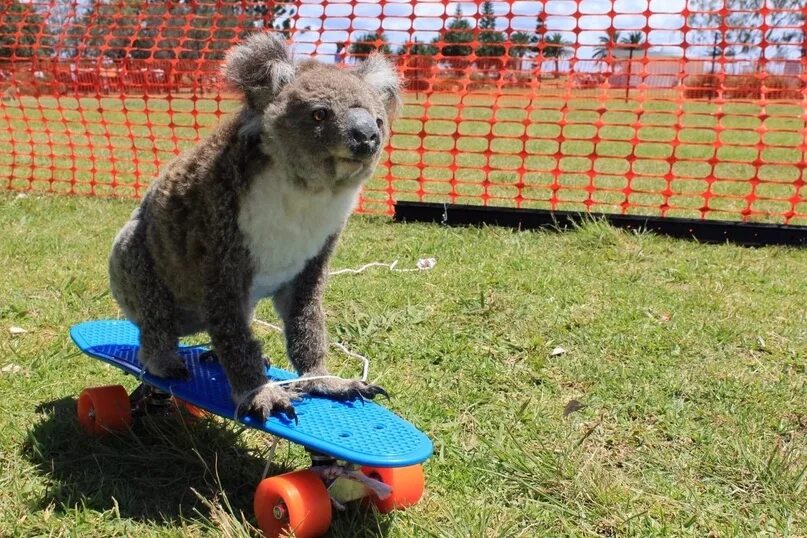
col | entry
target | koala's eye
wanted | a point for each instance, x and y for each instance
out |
(320, 114)
(379, 122)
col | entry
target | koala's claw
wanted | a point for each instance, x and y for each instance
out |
(341, 389)
(167, 366)
(375, 390)
(264, 402)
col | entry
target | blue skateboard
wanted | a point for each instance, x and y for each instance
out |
(359, 449)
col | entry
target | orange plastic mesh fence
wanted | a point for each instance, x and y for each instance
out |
(691, 108)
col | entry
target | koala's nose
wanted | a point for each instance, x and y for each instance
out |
(363, 133)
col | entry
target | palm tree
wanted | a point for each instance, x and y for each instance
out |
(607, 42)
(633, 42)
(556, 47)
(521, 44)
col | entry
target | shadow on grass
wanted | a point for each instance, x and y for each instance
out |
(167, 469)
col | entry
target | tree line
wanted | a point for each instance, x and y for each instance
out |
(138, 29)
(459, 40)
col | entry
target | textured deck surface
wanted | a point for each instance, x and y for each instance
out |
(364, 433)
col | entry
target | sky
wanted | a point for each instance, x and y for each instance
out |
(422, 20)
(580, 22)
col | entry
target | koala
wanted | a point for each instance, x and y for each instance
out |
(254, 211)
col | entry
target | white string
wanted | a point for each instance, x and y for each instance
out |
(424, 264)
(303, 379)
(365, 369)
(268, 325)
(365, 266)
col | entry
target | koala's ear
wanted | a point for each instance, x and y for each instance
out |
(379, 73)
(260, 67)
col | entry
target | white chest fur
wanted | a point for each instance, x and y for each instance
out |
(285, 226)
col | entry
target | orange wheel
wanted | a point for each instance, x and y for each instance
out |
(293, 502)
(407, 485)
(192, 410)
(104, 409)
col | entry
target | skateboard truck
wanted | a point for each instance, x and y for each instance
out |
(344, 481)
(147, 400)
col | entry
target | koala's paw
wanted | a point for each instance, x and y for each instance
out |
(340, 389)
(265, 401)
(166, 365)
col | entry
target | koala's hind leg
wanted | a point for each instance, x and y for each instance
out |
(299, 305)
(146, 301)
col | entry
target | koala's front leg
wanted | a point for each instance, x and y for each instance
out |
(299, 305)
(237, 350)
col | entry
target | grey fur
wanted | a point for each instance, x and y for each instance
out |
(378, 72)
(259, 67)
(184, 263)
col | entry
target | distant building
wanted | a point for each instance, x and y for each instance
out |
(793, 67)
(653, 69)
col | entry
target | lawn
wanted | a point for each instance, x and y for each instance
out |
(675, 408)
(590, 150)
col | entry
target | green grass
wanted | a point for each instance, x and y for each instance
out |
(645, 152)
(689, 363)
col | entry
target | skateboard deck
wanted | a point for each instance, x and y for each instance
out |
(359, 432)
